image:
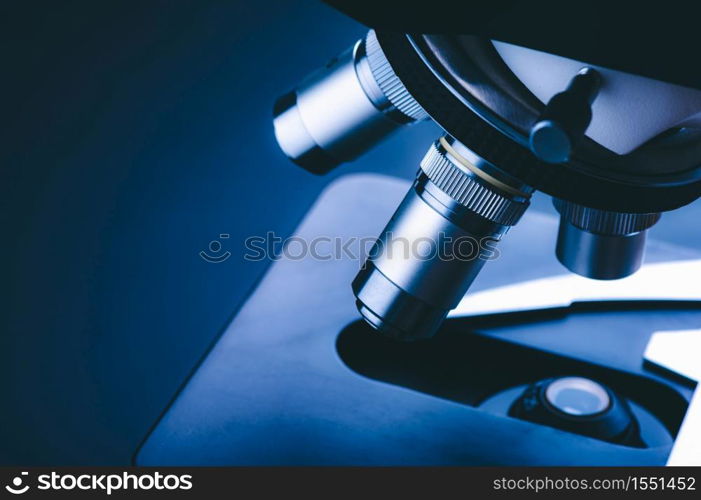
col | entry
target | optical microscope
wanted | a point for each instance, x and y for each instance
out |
(516, 120)
(614, 149)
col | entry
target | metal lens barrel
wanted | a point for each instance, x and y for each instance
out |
(601, 244)
(343, 109)
(439, 238)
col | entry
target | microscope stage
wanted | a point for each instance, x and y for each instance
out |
(297, 379)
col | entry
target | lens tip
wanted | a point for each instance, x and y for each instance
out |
(389, 330)
(385, 328)
(295, 140)
(596, 256)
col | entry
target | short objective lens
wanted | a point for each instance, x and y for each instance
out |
(437, 241)
(343, 109)
(601, 244)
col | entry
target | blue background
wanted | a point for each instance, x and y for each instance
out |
(133, 134)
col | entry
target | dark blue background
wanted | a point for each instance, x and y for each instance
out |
(133, 134)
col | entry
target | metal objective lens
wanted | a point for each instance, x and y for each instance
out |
(601, 244)
(458, 208)
(343, 109)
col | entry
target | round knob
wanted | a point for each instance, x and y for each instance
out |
(565, 118)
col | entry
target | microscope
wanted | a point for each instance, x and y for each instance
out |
(612, 148)
(435, 356)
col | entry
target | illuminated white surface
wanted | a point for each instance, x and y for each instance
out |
(679, 352)
(678, 280)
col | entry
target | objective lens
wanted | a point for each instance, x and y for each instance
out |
(344, 109)
(600, 244)
(458, 207)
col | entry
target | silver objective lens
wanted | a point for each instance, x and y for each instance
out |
(343, 109)
(601, 244)
(437, 241)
